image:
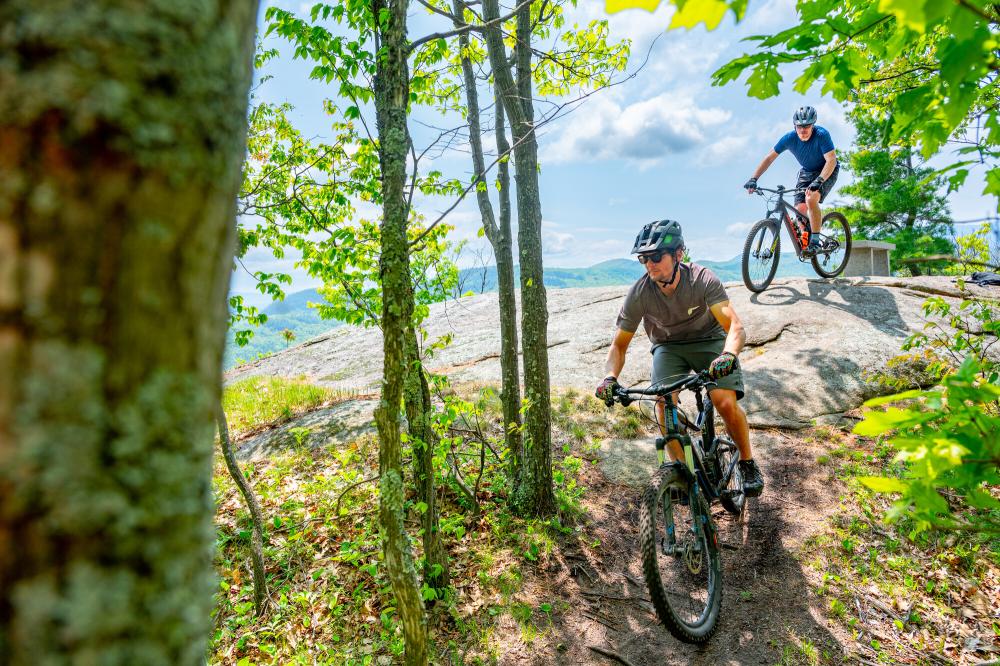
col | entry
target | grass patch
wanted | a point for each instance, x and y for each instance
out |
(257, 402)
(331, 598)
(900, 599)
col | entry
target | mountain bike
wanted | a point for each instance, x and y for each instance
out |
(763, 245)
(678, 537)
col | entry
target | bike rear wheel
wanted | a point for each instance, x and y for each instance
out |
(835, 246)
(680, 556)
(731, 492)
(760, 255)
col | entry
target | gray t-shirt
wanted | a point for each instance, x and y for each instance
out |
(684, 316)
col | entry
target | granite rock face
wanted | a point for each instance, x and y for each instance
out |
(811, 344)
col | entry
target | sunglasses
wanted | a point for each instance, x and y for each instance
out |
(655, 257)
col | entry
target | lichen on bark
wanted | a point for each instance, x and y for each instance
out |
(122, 128)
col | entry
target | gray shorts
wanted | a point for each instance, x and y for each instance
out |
(674, 360)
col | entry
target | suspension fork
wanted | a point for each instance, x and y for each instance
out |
(673, 432)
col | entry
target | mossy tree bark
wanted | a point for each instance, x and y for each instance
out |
(533, 482)
(499, 236)
(391, 98)
(122, 129)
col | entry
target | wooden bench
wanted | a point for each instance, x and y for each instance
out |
(869, 257)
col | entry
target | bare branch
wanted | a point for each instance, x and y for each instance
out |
(467, 28)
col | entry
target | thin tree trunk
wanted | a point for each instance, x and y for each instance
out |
(533, 484)
(423, 440)
(391, 97)
(122, 130)
(500, 239)
(260, 595)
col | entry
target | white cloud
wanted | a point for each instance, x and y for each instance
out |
(771, 15)
(645, 131)
(724, 150)
(738, 228)
(556, 243)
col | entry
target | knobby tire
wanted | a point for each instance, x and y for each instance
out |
(838, 219)
(726, 453)
(671, 476)
(769, 228)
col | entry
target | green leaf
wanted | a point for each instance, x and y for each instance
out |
(897, 397)
(763, 81)
(877, 423)
(908, 12)
(692, 12)
(881, 484)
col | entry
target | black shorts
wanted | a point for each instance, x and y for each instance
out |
(806, 177)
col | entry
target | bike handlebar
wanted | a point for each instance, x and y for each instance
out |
(781, 190)
(691, 382)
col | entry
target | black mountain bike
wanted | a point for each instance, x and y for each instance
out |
(763, 246)
(678, 537)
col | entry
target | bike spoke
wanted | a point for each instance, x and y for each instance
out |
(683, 560)
(835, 241)
(762, 257)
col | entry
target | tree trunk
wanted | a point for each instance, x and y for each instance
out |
(533, 484)
(423, 441)
(500, 239)
(122, 130)
(256, 517)
(391, 97)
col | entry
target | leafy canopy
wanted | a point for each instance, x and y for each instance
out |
(927, 67)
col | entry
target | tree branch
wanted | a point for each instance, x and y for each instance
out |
(466, 28)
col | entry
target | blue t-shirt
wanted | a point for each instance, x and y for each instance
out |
(808, 153)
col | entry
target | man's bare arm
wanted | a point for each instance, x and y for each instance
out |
(831, 164)
(616, 354)
(730, 321)
(765, 163)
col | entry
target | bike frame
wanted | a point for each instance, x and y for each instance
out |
(782, 208)
(694, 453)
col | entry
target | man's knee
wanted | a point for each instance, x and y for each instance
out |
(812, 198)
(725, 402)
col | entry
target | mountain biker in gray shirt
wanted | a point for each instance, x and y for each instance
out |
(692, 326)
(813, 148)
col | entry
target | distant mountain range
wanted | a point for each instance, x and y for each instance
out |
(618, 271)
(294, 313)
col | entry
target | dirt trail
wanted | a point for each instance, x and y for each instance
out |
(767, 602)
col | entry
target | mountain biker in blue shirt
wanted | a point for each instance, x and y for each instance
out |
(813, 148)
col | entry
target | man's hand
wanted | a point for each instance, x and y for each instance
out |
(816, 184)
(606, 389)
(724, 365)
(750, 186)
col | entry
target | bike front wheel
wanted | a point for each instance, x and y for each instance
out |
(680, 555)
(835, 246)
(760, 255)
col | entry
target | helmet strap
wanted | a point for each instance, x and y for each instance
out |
(673, 276)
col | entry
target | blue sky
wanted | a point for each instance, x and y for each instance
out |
(665, 144)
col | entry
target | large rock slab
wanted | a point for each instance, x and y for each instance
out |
(811, 344)
(326, 427)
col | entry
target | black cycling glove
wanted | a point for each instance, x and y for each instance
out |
(750, 184)
(816, 184)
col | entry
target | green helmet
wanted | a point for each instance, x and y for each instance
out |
(659, 235)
